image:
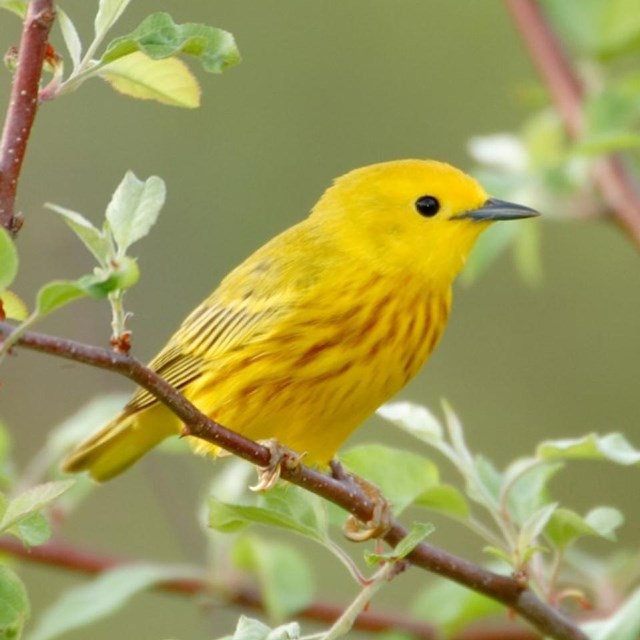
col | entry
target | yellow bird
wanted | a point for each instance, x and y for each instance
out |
(322, 324)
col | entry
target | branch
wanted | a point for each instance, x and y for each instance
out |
(23, 103)
(344, 493)
(617, 186)
(59, 554)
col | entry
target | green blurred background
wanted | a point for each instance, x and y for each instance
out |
(323, 87)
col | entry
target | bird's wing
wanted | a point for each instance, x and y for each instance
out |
(250, 302)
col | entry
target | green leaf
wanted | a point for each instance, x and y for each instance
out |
(528, 479)
(445, 499)
(13, 306)
(414, 419)
(284, 575)
(94, 239)
(623, 624)
(6, 462)
(31, 501)
(250, 629)
(14, 604)
(167, 81)
(613, 447)
(58, 293)
(416, 535)
(8, 260)
(33, 530)
(108, 13)
(451, 607)
(284, 506)
(401, 476)
(533, 526)
(158, 37)
(566, 526)
(134, 209)
(19, 7)
(70, 36)
(99, 598)
(491, 481)
(499, 554)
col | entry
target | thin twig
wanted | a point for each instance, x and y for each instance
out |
(23, 103)
(617, 186)
(345, 494)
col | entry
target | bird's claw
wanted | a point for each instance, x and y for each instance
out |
(280, 457)
(380, 522)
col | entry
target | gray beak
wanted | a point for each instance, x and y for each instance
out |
(494, 209)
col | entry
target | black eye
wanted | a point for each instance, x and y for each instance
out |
(427, 206)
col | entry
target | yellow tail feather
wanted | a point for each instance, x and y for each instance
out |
(121, 442)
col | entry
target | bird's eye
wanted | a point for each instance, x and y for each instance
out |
(427, 206)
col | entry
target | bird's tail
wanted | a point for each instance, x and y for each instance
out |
(121, 442)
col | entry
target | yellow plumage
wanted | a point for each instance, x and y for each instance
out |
(322, 324)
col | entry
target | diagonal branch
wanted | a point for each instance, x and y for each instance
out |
(617, 186)
(23, 103)
(346, 494)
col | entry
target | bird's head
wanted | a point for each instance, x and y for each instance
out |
(417, 215)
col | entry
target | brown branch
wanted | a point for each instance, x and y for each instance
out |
(59, 554)
(617, 186)
(344, 493)
(23, 103)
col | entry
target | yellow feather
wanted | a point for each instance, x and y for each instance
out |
(322, 324)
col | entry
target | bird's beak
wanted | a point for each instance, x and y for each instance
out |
(494, 209)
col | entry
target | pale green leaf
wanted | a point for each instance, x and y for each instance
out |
(134, 209)
(451, 607)
(284, 506)
(613, 447)
(58, 293)
(33, 530)
(623, 624)
(108, 13)
(456, 434)
(70, 36)
(533, 526)
(490, 479)
(401, 476)
(167, 81)
(251, 629)
(566, 526)
(32, 500)
(97, 599)
(6, 462)
(499, 554)
(94, 239)
(8, 260)
(414, 537)
(14, 604)
(13, 306)
(528, 490)
(19, 7)
(284, 575)
(414, 419)
(445, 499)
(158, 36)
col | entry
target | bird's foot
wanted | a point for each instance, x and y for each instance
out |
(379, 523)
(281, 457)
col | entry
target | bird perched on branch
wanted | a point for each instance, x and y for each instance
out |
(322, 324)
